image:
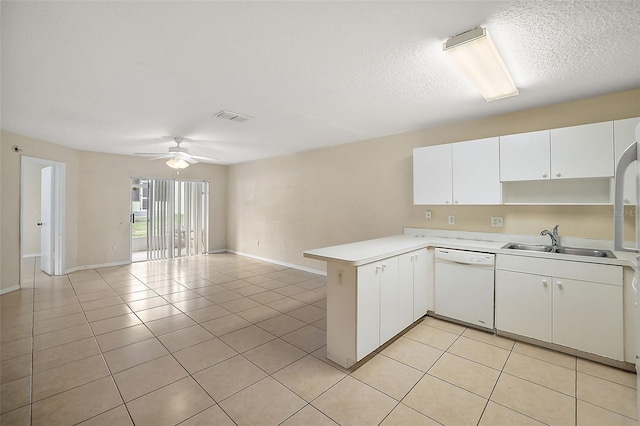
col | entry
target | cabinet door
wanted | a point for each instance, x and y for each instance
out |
(389, 325)
(368, 309)
(405, 290)
(582, 151)
(624, 134)
(525, 156)
(523, 304)
(420, 284)
(476, 172)
(588, 316)
(432, 179)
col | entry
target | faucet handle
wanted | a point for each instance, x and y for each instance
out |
(555, 230)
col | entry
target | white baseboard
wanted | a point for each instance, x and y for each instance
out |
(24, 256)
(277, 262)
(101, 265)
(217, 251)
(9, 289)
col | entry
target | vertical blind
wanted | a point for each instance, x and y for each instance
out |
(177, 218)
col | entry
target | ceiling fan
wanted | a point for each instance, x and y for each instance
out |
(179, 157)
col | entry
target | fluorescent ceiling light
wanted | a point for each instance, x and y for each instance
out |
(177, 163)
(478, 58)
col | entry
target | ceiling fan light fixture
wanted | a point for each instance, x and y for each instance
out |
(475, 54)
(177, 163)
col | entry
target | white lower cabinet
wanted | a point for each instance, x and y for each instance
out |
(368, 305)
(577, 305)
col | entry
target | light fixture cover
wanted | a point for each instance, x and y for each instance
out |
(477, 57)
(177, 163)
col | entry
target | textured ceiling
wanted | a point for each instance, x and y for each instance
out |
(118, 76)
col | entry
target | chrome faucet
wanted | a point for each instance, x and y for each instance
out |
(554, 236)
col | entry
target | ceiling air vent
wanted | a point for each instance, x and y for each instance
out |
(233, 116)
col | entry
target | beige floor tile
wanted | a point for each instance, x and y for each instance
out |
(101, 303)
(274, 355)
(221, 296)
(307, 338)
(126, 336)
(87, 297)
(266, 296)
(157, 313)
(489, 338)
(208, 313)
(308, 296)
(321, 354)
(405, 416)
(285, 305)
(210, 416)
(143, 294)
(352, 402)
(228, 377)
(474, 350)
(309, 377)
(15, 394)
(469, 375)
(225, 324)
(61, 337)
(15, 348)
(281, 324)
(132, 287)
(563, 360)
(497, 415)
(308, 314)
(388, 376)
(412, 353)
(443, 325)
(58, 323)
(247, 338)
(77, 404)
(322, 304)
(193, 304)
(264, 403)
(181, 296)
(18, 417)
(56, 302)
(612, 396)
(63, 354)
(14, 320)
(115, 323)
(289, 290)
(180, 339)
(238, 305)
(431, 336)
(153, 301)
(249, 290)
(606, 372)
(134, 354)
(67, 376)
(144, 378)
(538, 402)
(169, 324)
(15, 368)
(118, 416)
(441, 401)
(170, 405)
(591, 415)
(203, 355)
(108, 312)
(543, 373)
(258, 314)
(309, 415)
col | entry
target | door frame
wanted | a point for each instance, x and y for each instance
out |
(58, 211)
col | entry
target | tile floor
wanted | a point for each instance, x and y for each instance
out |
(223, 339)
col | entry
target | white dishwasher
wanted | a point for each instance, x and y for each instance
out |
(464, 286)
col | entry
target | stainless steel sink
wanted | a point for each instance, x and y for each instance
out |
(529, 247)
(561, 250)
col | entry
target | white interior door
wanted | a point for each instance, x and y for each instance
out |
(47, 176)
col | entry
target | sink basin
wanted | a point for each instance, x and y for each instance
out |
(585, 252)
(529, 247)
(561, 250)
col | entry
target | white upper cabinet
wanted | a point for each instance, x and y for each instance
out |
(476, 172)
(582, 151)
(432, 177)
(624, 134)
(525, 156)
(460, 173)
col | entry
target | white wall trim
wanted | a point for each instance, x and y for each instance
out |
(24, 256)
(101, 265)
(9, 289)
(217, 251)
(277, 262)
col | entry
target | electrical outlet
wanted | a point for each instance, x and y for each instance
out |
(452, 220)
(497, 221)
(428, 215)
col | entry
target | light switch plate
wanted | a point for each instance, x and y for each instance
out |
(452, 220)
(497, 221)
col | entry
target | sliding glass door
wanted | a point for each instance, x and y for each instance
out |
(169, 218)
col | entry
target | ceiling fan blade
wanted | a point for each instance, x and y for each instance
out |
(149, 153)
(199, 157)
(161, 157)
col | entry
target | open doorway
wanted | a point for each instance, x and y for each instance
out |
(169, 218)
(41, 218)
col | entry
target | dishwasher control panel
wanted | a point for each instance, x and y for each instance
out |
(465, 257)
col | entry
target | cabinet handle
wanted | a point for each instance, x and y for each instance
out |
(544, 175)
(559, 284)
(383, 266)
(626, 201)
(558, 174)
(377, 268)
(544, 283)
(456, 202)
(446, 202)
(416, 256)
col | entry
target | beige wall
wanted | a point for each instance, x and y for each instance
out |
(281, 206)
(96, 185)
(31, 184)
